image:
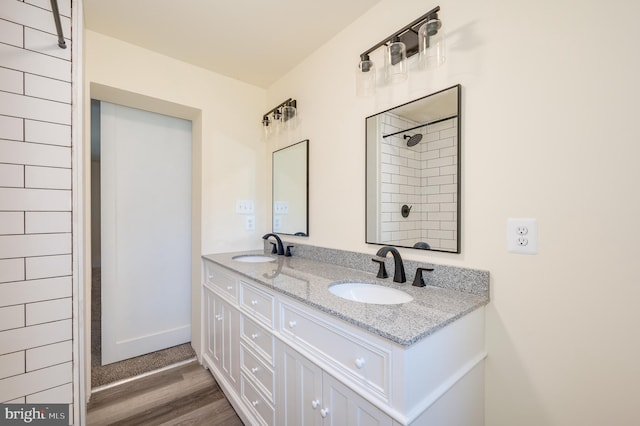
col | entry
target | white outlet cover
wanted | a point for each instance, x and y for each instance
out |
(515, 236)
(250, 223)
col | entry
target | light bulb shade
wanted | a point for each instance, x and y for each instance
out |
(431, 44)
(289, 117)
(396, 62)
(365, 78)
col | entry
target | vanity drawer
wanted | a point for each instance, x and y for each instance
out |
(367, 364)
(259, 339)
(218, 279)
(258, 303)
(258, 404)
(257, 370)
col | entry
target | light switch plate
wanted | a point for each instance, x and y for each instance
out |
(244, 206)
(522, 236)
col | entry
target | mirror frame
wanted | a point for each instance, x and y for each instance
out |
(458, 87)
(306, 186)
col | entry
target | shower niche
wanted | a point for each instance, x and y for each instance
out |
(413, 174)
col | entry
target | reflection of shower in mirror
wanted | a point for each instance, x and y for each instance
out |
(413, 140)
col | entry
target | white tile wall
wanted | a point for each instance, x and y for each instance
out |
(12, 364)
(422, 176)
(48, 311)
(47, 266)
(11, 80)
(10, 270)
(35, 204)
(12, 175)
(11, 128)
(19, 291)
(35, 154)
(11, 223)
(48, 355)
(11, 33)
(47, 222)
(11, 317)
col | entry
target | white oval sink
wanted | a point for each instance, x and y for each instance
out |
(370, 293)
(253, 258)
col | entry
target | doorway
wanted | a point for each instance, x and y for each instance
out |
(141, 246)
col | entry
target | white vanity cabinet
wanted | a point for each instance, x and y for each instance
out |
(311, 396)
(283, 362)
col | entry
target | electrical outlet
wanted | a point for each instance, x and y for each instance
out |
(277, 223)
(522, 236)
(250, 223)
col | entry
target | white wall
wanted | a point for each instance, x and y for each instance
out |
(550, 93)
(35, 205)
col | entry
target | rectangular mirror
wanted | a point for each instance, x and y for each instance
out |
(291, 189)
(413, 174)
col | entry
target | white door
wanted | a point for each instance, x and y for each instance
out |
(145, 230)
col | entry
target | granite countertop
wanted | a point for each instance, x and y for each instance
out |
(307, 281)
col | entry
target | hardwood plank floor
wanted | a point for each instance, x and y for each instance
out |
(186, 395)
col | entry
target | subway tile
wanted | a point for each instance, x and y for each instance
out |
(448, 152)
(64, 6)
(388, 168)
(47, 222)
(16, 292)
(11, 80)
(449, 170)
(34, 62)
(11, 33)
(12, 199)
(406, 189)
(11, 128)
(449, 189)
(11, 175)
(11, 223)
(385, 177)
(47, 266)
(448, 225)
(401, 180)
(439, 144)
(48, 311)
(11, 317)
(34, 245)
(385, 197)
(407, 171)
(12, 364)
(398, 161)
(440, 234)
(441, 198)
(385, 187)
(10, 270)
(34, 108)
(47, 88)
(33, 17)
(440, 180)
(44, 43)
(449, 133)
(58, 395)
(35, 154)
(45, 356)
(439, 162)
(47, 177)
(49, 133)
(447, 124)
(399, 198)
(440, 216)
(35, 381)
(20, 339)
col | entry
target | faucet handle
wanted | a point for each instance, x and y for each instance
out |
(274, 250)
(382, 272)
(288, 253)
(418, 281)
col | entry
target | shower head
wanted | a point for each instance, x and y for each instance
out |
(413, 140)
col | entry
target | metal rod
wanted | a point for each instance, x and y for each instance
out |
(421, 125)
(288, 101)
(401, 31)
(56, 18)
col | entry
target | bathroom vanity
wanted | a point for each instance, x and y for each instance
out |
(286, 351)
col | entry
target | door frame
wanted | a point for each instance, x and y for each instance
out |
(81, 163)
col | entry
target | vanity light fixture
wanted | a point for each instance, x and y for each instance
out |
(424, 36)
(282, 116)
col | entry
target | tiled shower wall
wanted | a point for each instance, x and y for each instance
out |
(424, 177)
(35, 204)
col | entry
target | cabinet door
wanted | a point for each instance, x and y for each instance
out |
(342, 406)
(231, 344)
(208, 322)
(299, 389)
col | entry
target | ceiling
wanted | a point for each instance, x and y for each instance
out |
(255, 41)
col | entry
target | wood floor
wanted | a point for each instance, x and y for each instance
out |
(186, 395)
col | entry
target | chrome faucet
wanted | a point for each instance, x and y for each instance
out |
(279, 241)
(398, 275)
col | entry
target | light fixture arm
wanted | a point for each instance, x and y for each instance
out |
(409, 28)
(288, 102)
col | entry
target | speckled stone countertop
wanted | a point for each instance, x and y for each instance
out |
(307, 281)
